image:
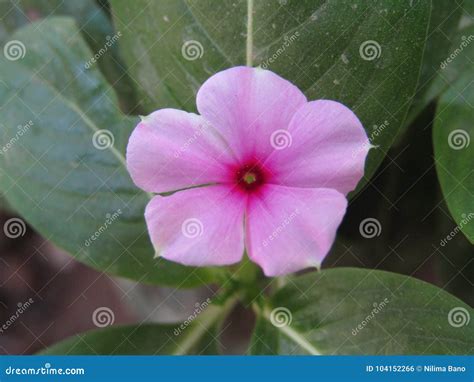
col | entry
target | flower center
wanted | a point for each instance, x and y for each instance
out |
(250, 177)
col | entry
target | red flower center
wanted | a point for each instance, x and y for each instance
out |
(250, 177)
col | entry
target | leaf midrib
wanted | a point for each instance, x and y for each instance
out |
(203, 324)
(291, 333)
(89, 123)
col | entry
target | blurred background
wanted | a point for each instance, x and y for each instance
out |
(52, 296)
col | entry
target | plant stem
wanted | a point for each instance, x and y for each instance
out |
(203, 323)
(249, 47)
(287, 330)
(246, 272)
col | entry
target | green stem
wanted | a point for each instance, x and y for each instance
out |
(287, 330)
(249, 46)
(203, 323)
(246, 272)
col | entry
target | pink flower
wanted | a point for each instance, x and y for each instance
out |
(263, 170)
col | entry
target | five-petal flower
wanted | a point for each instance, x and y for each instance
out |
(260, 169)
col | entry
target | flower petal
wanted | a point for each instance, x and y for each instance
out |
(328, 149)
(289, 229)
(171, 149)
(199, 227)
(247, 105)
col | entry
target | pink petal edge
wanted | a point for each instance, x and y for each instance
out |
(198, 227)
(328, 149)
(247, 105)
(172, 149)
(289, 229)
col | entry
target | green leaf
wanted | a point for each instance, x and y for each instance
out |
(58, 168)
(360, 311)
(454, 152)
(265, 339)
(198, 336)
(94, 25)
(467, 18)
(147, 339)
(444, 21)
(364, 54)
(10, 19)
(453, 65)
